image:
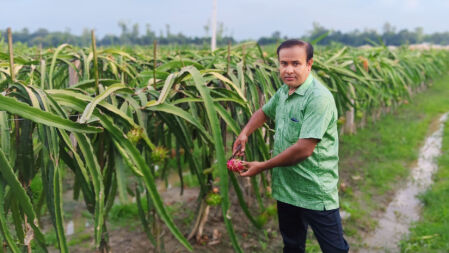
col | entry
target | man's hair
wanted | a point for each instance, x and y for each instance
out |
(297, 43)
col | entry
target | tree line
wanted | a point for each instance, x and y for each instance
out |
(131, 35)
(390, 36)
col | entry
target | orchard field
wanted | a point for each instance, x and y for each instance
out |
(112, 129)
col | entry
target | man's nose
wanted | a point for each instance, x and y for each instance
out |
(289, 69)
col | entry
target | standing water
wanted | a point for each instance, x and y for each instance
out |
(405, 206)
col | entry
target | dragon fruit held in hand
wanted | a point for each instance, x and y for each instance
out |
(235, 165)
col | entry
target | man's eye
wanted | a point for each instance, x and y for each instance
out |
(295, 64)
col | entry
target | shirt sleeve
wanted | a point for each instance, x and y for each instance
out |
(317, 117)
(270, 107)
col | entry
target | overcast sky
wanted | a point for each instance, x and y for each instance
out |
(243, 19)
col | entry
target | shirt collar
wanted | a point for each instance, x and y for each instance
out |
(301, 90)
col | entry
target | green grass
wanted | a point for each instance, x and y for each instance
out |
(431, 233)
(127, 215)
(376, 160)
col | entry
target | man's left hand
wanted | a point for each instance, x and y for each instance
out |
(252, 168)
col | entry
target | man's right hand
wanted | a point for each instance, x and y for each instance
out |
(255, 122)
(241, 140)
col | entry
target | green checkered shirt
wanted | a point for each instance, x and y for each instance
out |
(310, 112)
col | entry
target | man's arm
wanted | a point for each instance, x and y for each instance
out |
(294, 154)
(256, 121)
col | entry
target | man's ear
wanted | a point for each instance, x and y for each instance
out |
(309, 63)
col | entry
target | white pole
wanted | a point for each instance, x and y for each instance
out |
(214, 27)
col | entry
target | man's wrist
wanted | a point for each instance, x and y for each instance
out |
(267, 165)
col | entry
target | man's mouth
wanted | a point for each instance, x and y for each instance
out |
(289, 78)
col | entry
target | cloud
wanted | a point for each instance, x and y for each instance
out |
(411, 4)
(387, 3)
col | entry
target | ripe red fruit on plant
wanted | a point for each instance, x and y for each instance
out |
(235, 165)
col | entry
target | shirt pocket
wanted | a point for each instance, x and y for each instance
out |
(292, 129)
(293, 124)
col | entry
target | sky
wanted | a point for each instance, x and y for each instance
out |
(242, 19)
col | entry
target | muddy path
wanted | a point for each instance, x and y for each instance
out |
(405, 207)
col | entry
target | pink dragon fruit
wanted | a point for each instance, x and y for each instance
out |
(235, 165)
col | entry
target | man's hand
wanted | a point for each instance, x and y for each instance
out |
(294, 154)
(241, 140)
(253, 168)
(255, 122)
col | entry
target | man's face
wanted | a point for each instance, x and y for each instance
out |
(293, 66)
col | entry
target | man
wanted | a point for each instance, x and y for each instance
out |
(305, 159)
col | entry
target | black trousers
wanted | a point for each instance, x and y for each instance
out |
(326, 225)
